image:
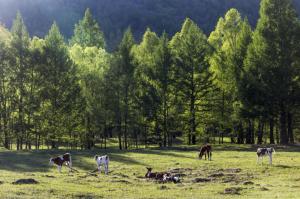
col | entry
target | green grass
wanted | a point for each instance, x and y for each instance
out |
(282, 180)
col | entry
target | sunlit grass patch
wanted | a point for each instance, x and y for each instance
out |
(232, 173)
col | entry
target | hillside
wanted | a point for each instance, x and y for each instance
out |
(115, 15)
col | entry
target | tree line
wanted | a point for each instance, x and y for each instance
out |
(236, 82)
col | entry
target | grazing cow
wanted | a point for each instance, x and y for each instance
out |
(261, 152)
(205, 149)
(161, 176)
(102, 160)
(60, 160)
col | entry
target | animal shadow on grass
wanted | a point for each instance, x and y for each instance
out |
(38, 161)
(287, 166)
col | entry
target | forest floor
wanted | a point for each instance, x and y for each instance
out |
(232, 173)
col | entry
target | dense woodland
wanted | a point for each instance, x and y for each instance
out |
(114, 16)
(235, 82)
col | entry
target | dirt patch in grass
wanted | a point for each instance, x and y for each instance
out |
(180, 172)
(264, 189)
(122, 181)
(86, 196)
(232, 190)
(248, 183)
(26, 181)
(163, 187)
(48, 176)
(230, 170)
(216, 175)
(121, 175)
(1, 182)
(200, 180)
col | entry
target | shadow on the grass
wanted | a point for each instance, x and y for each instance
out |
(38, 161)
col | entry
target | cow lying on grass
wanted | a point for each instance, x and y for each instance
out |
(161, 176)
(261, 152)
(102, 160)
(205, 150)
(60, 160)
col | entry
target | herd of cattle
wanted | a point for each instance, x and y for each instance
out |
(205, 150)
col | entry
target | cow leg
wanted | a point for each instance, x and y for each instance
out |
(210, 156)
(106, 169)
(99, 169)
(59, 168)
(205, 156)
(69, 165)
(270, 159)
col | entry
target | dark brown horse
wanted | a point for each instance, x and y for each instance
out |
(205, 150)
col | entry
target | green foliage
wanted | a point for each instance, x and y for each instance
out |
(60, 89)
(272, 63)
(190, 52)
(235, 83)
(87, 32)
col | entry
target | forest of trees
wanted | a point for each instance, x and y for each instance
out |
(114, 16)
(236, 82)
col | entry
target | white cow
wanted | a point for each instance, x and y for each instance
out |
(261, 152)
(102, 160)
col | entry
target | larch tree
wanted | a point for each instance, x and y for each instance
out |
(230, 40)
(87, 32)
(190, 51)
(272, 65)
(20, 53)
(60, 88)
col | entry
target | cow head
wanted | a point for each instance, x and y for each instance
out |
(201, 154)
(148, 172)
(149, 169)
(51, 162)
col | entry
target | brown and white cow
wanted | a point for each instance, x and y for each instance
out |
(205, 150)
(60, 160)
(161, 176)
(261, 152)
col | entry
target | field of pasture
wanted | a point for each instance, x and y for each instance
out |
(232, 173)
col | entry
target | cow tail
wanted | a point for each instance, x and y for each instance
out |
(70, 164)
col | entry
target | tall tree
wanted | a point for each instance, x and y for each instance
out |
(87, 32)
(20, 51)
(230, 41)
(5, 91)
(60, 88)
(92, 63)
(146, 86)
(272, 62)
(190, 50)
(125, 68)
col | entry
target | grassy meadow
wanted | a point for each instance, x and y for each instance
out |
(232, 173)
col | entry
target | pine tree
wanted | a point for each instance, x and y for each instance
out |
(20, 53)
(60, 88)
(230, 41)
(190, 50)
(272, 63)
(87, 32)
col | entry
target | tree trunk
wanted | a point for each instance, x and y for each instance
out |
(290, 127)
(283, 129)
(192, 136)
(240, 133)
(249, 132)
(272, 131)
(260, 132)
